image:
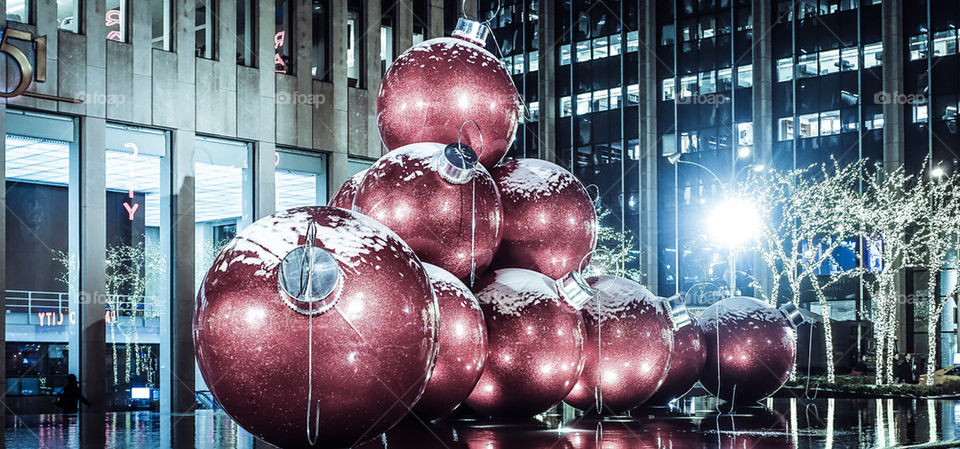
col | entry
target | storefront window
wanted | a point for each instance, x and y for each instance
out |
(206, 29)
(68, 15)
(137, 264)
(42, 236)
(301, 179)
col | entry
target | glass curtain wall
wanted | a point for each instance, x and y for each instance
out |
(42, 238)
(223, 196)
(137, 264)
(704, 113)
(515, 31)
(301, 179)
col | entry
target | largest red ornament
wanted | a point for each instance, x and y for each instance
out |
(373, 338)
(433, 88)
(536, 345)
(756, 349)
(440, 201)
(463, 346)
(628, 342)
(549, 224)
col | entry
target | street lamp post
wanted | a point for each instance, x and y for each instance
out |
(727, 189)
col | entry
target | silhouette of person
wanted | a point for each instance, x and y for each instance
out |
(71, 396)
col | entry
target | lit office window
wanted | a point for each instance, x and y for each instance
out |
(615, 94)
(669, 91)
(633, 94)
(920, 114)
(355, 44)
(20, 11)
(849, 59)
(518, 64)
(508, 64)
(689, 142)
(68, 15)
(745, 76)
(246, 32)
(583, 51)
(284, 44)
(137, 262)
(386, 47)
(633, 41)
(807, 66)
(829, 123)
(601, 102)
(206, 28)
(534, 109)
(565, 107)
(601, 47)
(615, 45)
(583, 104)
(708, 82)
(872, 55)
(42, 313)
(161, 15)
(116, 20)
(918, 47)
(809, 125)
(707, 27)
(829, 62)
(533, 61)
(301, 179)
(565, 54)
(785, 129)
(688, 86)
(667, 34)
(944, 43)
(725, 80)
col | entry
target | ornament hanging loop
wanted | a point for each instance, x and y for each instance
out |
(463, 12)
(460, 135)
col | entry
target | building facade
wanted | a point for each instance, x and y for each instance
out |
(613, 87)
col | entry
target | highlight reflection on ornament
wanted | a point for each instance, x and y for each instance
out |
(316, 301)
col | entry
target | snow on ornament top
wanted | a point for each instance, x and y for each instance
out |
(511, 290)
(444, 281)
(618, 298)
(534, 178)
(742, 312)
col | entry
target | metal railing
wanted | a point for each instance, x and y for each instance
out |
(31, 302)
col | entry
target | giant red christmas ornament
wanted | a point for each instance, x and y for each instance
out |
(535, 341)
(440, 201)
(628, 342)
(347, 191)
(463, 346)
(437, 86)
(549, 224)
(319, 309)
(756, 349)
(686, 363)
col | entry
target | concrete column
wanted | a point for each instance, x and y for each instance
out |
(374, 145)
(264, 179)
(547, 81)
(303, 55)
(3, 239)
(338, 120)
(404, 30)
(893, 115)
(92, 262)
(649, 153)
(184, 292)
(762, 83)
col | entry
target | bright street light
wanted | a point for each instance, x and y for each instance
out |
(936, 172)
(733, 222)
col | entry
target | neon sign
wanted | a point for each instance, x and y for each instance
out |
(56, 318)
(278, 41)
(132, 206)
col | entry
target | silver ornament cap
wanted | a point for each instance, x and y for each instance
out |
(456, 163)
(471, 31)
(678, 312)
(792, 314)
(574, 289)
(309, 279)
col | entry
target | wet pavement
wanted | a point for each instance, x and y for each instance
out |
(776, 423)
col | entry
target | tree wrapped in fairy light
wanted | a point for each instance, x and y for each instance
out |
(803, 225)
